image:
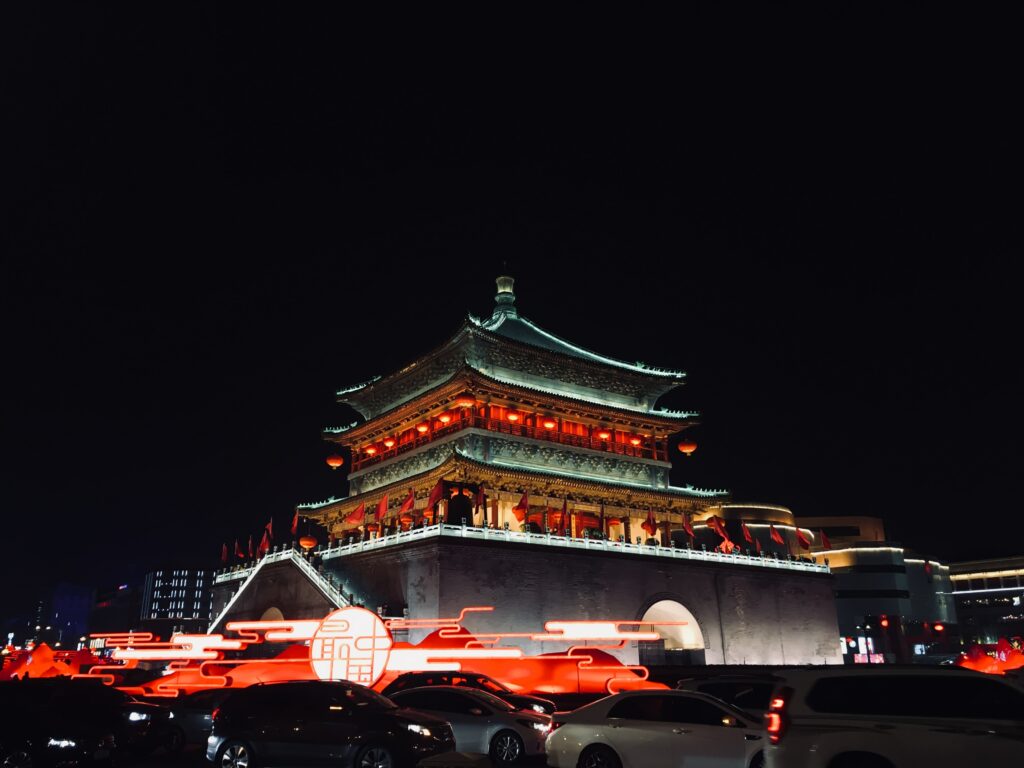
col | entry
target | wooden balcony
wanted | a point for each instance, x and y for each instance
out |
(469, 420)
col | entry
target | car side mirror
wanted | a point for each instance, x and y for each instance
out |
(476, 711)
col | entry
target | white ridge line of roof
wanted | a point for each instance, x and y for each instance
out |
(579, 350)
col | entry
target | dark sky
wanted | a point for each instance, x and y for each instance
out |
(213, 220)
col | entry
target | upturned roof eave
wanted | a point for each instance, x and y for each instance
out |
(465, 375)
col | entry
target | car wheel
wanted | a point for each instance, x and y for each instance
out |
(758, 761)
(236, 754)
(374, 757)
(175, 741)
(18, 758)
(598, 756)
(506, 748)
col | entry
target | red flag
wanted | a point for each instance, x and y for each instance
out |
(746, 533)
(776, 536)
(801, 539)
(687, 526)
(825, 543)
(757, 545)
(726, 546)
(408, 504)
(382, 509)
(264, 544)
(252, 553)
(269, 529)
(520, 509)
(358, 515)
(238, 550)
(223, 553)
(563, 520)
(715, 522)
(295, 523)
(436, 494)
(650, 524)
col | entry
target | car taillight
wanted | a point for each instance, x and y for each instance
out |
(775, 719)
(214, 714)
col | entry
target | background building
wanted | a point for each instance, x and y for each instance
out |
(116, 609)
(989, 598)
(892, 606)
(176, 600)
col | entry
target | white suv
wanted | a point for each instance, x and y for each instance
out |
(878, 717)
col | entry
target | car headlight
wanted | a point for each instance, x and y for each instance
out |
(422, 730)
(537, 708)
(137, 716)
(61, 743)
(542, 727)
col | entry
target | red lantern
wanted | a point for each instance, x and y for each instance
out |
(307, 542)
(604, 434)
(335, 461)
(549, 424)
(465, 401)
(421, 428)
(938, 627)
(513, 417)
(444, 418)
(406, 520)
(614, 521)
(373, 527)
(634, 441)
(369, 450)
(687, 447)
(389, 442)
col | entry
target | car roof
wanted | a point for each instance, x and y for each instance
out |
(432, 688)
(808, 675)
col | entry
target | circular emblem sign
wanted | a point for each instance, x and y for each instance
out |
(351, 644)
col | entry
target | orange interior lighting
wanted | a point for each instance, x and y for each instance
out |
(604, 434)
(444, 418)
(634, 441)
(370, 450)
(549, 424)
(421, 428)
(389, 442)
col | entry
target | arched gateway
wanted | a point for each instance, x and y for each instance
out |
(681, 640)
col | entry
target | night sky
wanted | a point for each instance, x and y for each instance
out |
(211, 221)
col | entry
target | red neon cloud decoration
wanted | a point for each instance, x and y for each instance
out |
(357, 645)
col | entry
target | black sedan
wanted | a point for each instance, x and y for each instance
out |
(470, 680)
(317, 722)
(65, 722)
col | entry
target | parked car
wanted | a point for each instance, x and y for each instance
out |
(191, 718)
(655, 729)
(481, 722)
(901, 717)
(60, 721)
(315, 722)
(750, 693)
(470, 680)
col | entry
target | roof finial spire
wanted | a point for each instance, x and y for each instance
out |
(504, 301)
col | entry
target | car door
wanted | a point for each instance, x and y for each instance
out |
(709, 736)
(637, 728)
(460, 710)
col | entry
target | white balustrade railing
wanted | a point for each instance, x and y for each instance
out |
(538, 539)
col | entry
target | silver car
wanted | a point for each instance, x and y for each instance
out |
(481, 722)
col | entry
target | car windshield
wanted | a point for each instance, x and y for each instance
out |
(493, 701)
(367, 699)
(488, 684)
